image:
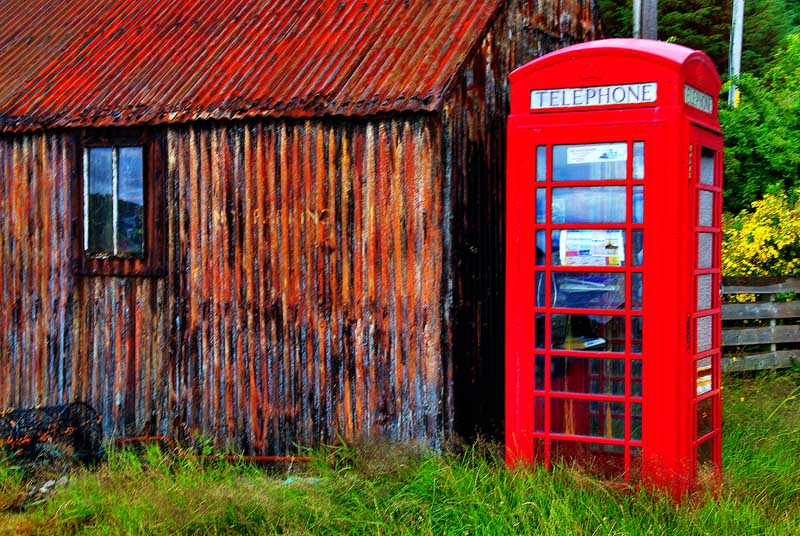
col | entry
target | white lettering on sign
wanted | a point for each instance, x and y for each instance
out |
(580, 97)
(697, 99)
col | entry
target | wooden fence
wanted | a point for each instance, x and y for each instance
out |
(764, 334)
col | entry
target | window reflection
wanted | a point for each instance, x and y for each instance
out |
(589, 204)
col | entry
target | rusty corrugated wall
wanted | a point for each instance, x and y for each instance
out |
(474, 154)
(303, 295)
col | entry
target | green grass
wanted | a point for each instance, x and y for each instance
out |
(398, 490)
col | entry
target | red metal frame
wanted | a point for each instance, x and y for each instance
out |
(659, 440)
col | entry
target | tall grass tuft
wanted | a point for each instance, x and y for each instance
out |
(406, 489)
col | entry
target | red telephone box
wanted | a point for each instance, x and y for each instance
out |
(613, 263)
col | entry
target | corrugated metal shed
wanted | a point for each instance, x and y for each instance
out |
(323, 277)
(123, 62)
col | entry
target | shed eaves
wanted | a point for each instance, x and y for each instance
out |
(125, 62)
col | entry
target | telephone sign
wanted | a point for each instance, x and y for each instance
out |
(613, 263)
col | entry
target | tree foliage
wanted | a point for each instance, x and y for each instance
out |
(705, 25)
(762, 142)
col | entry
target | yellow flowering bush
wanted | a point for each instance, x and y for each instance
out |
(765, 241)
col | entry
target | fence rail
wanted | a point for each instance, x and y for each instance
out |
(780, 324)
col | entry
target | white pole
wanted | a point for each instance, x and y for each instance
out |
(637, 19)
(735, 58)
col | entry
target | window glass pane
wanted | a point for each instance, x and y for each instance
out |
(541, 205)
(541, 289)
(637, 246)
(588, 247)
(638, 204)
(704, 417)
(636, 334)
(130, 205)
(636, 291)
(540, 333)
(707, 166)
(541, 247)
(589, 290)
(587, 376)
(541, 163)
(703, 333)
(636, 377)
(587, 162)
(705, 250)
(704, 375)
(704, 285)
(704, 456)
(605, 461)
(589, 204)
(590, 333)
(636, 421)
(538, 414)
(100, 206)
(587, 418)
(638, 160)
(705, 209)
(538, 373)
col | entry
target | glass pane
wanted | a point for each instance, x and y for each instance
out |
(636, 465)
(705, 249)
(538, 414)
(591, 333)
(638, 160)
(605, 461)
(636, 421)
(589, 204)
(704, 286)
(538, 373)
(638, 204)
(588, 376)
(704, 417)
(588, 247)
(541, 247)
(637, 247)
(705, 466)
(130, 205)
(703, 333)
(541, 289)
(100, 207)
(590, 162)
(589, 290)
(705, 209)
(704, 375)
(636, 377)
(541, 205)
(636, 291)
(587, 418)
(707, 166)
(541, 163)
(540, 324)
(636, 334)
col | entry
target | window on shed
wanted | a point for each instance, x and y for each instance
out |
(114, 201)
(117, 205)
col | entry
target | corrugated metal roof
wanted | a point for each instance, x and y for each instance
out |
(121, 62)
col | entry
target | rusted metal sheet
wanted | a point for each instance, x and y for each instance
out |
(133, 62)
(310, 269)
(302, 298)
